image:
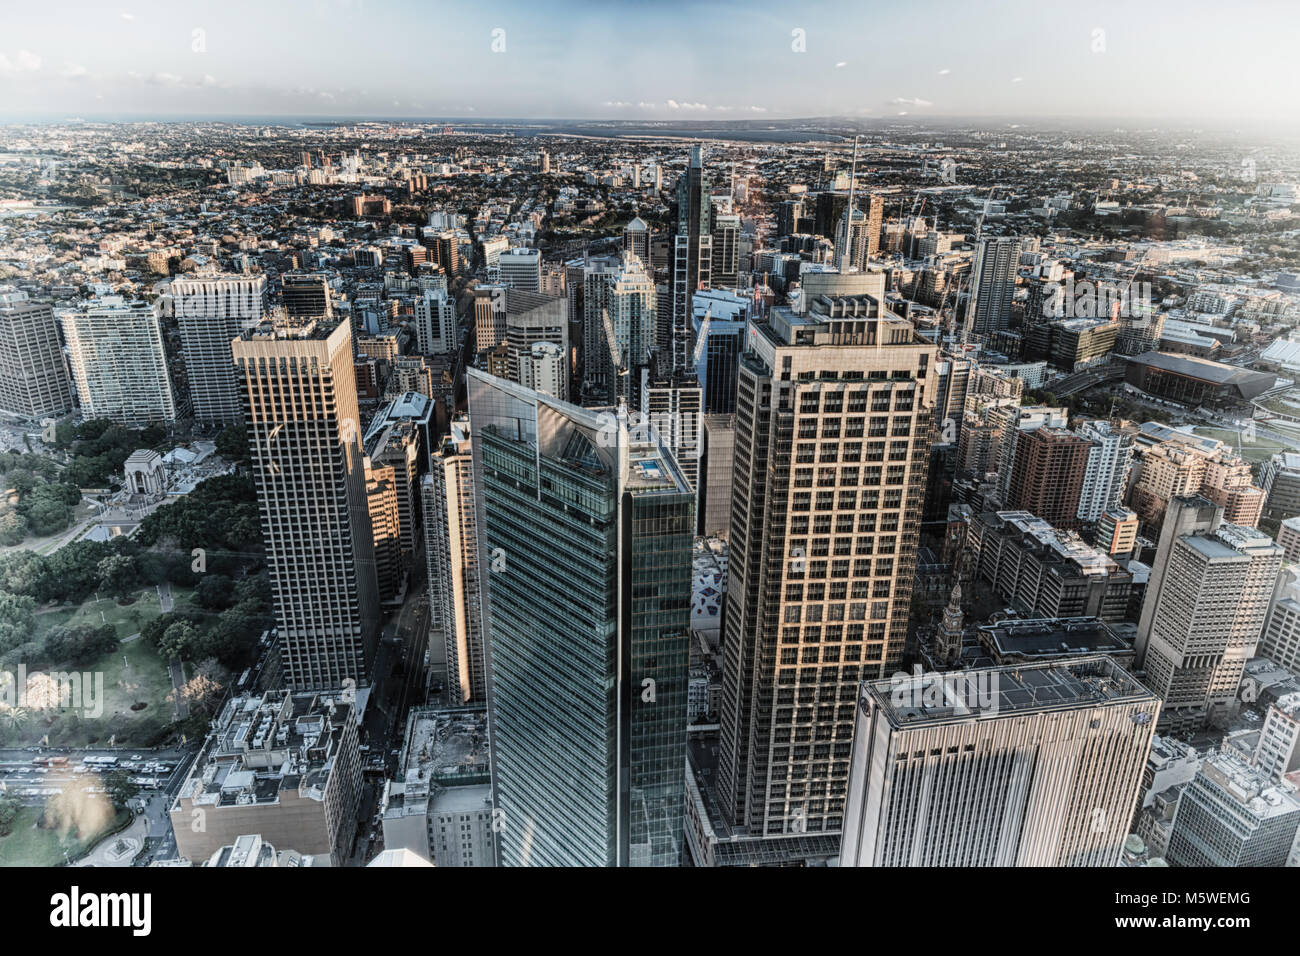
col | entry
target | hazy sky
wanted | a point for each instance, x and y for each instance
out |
(1178, 59)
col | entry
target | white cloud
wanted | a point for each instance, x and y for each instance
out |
(945, 71)
(24, 61)
(909, 101)
(674, 105)
(73, 69)
(1017, 79)
(128, 17)
(840, 64)
(616, 104)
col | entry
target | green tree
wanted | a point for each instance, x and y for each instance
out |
(120, 789)
(10, 807)
(118, 575)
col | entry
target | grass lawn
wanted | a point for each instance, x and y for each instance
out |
(126, 620)
(1261, 449)
(28, 845)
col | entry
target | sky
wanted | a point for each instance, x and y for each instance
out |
(1185, 60)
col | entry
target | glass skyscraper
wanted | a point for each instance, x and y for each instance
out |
(585, 556)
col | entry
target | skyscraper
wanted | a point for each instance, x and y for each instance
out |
(1106, 475)
(692, 253)
(210, 311)
(451, 548)
(521, 269)
(1048, 474)
(585, 538)
(1233, 814)
(307, 295)
(1025, 765)
(993, 285)
(33, 379)
(308, 465)
(119, 361)
(834, 414)
(435, 323)
(1205, 607)
(619, 298)
(636, 239)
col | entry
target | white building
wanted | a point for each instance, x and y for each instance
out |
(1106, 473)
(521, 269)
(1278, 752)
(435, 323)
(118, 361)
(543, 369)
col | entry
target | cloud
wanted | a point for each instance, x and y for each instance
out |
(945, 71)
(24, 61)
(909, 101)
(73, 69)
(840, 64)
(674, 105)
(616, 104)
(128, 17)
(1017, 79)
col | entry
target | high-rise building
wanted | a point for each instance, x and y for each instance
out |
(533, 319)
(674, 405)
(119, 361)
(451, 546)
(1233, 814)
(33, 378)
(725, 236)
(304, 435)
(1205, 607)
(521, 269)
(211, 311)
(1280, 641)
(692, 253)
(307, 296)
(435, 323)
(851, 250)
(636, 239)
(543, 369)
(619, 299)
(719, 329)
(834, 416)
(1106, 476)
(993, 285)
(1048, 475)
(1024, 765)
(1117, 531)
(585, 544)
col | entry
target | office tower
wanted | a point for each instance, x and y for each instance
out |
(725, 236)
(489, 317)
(1048, 474)
(210, 312)
(448, 253)
(832, 438)
(636, 239)
(543, 369)
(451, 549)
(521, 269)
(307, 296)
(1205, 607)
(385, 528)
(33, 379)
(543, 161)
(851, 251)
(789, 217)
(1027, 765)
(619, 300)
(119, 361)
(304, 438)
(875, 216)
(1106, 476)
(400, 436)
(1232, 814)
(992, 286)
(585, 556)
(692, 253)
(674, 405)
(1117, 530)
(1280, 479)
(1280, 642)
(532, 319)
(829, 212)
(819, 282)
(1288, 536)
(952, 376)
(717, 462)
(1278, 751)
(435, 323)
(718, 324)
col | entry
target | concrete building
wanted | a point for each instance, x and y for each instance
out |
(834, 415)
(435, 323)
(306, 296)
(717, 463)
(308, 466)
(521, 269)
(1280, 479)
(145, 474)
(119, 361)
(1205, 608)
(1117, 531)
(283, 765)
(211, 311)
(1280, 641)
(1288, 537)
(1105, 478)
(1232, 814)
(1044, 572)
(1030, 765)
(33, 378)
(993, 285)
(1278, 753)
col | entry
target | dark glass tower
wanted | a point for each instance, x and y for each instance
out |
(585, 554)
